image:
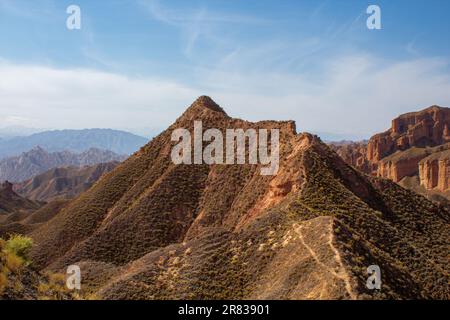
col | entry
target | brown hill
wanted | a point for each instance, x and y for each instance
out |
(14, 208)
(25, 221)
(151, 229)
(62, 183)
(11, 202)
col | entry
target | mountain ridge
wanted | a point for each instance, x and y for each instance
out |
(154, 230)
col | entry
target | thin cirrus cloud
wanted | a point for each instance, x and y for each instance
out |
(356, 85)
(197, 23)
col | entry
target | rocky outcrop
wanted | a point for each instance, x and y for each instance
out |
(416, 137)
(429, 127)
(406, 164)
(396, 171)
(434, 171)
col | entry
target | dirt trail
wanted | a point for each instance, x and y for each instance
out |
(341, 274)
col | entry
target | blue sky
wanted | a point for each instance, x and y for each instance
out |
(137, 64)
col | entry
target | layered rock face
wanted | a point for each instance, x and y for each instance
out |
(396, 171)
(434, 171)
(429, 127)
(406, 163)
(413, 149)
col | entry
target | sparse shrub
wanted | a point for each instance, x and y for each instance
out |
(13, 262)
(20, 246)
(54, 288)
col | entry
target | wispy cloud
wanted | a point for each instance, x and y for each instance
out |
(197, 23)
(371, 90)
(82, 98)
(15, 121)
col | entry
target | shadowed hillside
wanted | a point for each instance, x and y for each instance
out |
(11, 202)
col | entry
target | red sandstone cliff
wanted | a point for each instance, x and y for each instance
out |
(434, 171)
(429, 127)
(415, 148)
(396, 170)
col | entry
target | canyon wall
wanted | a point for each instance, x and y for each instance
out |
(429, 127)
(434, 171)
(397, 170)
(416, 146)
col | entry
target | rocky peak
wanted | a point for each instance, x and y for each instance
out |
(205, 103)
(203, 108)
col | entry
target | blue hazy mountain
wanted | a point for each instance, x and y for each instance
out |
(119, 142)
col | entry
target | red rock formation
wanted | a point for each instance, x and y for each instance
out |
(397, 170)
(415, 152)
(429, 127)
(434, 171)
(447, 133)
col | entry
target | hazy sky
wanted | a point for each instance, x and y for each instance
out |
(137, 64)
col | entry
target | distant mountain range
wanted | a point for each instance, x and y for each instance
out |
(62, 183)
(120, 142)
(38, 160)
